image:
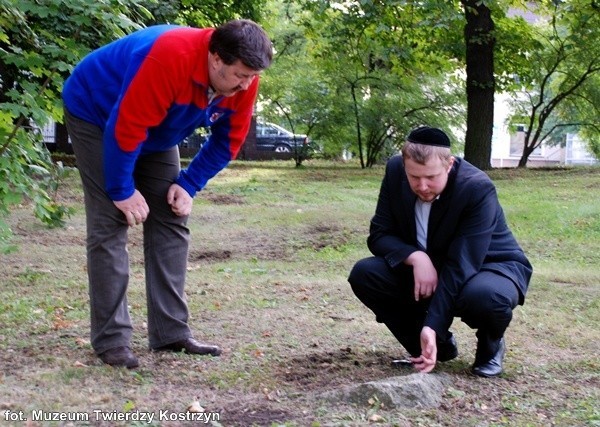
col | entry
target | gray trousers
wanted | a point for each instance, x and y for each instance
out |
(166, 242)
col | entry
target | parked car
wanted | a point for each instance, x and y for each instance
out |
(195, 141)
(271, 137)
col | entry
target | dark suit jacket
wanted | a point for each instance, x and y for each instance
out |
(467, 233)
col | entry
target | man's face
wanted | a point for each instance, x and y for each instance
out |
(227, 80)
(429, 180)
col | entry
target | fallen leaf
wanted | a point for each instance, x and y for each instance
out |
(82, 342)
(376, 418)
(195, 407)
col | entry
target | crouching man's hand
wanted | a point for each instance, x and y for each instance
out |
(426, 361)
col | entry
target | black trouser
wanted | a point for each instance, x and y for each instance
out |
(485, 302)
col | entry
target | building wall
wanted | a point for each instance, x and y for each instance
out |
(507, 148)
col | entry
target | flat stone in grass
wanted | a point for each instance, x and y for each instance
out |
(407, 391)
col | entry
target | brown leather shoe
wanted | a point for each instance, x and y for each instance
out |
(191, 346)
(119, 357)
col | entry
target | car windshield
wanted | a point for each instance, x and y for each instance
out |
(272, 130)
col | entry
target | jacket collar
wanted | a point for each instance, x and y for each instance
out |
(200, 75)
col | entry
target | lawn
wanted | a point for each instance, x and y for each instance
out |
(271, 249)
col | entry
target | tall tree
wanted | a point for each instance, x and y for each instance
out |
(480, 82)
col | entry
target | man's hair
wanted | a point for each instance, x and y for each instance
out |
(420, 153)
(243, 40)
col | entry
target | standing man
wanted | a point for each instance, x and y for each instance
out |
(127, 106)
(442, 249)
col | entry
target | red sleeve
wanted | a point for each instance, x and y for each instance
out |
(243, 105)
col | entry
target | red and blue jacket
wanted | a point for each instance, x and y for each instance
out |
(147, 92)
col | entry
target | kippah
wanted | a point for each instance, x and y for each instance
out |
(428, 136)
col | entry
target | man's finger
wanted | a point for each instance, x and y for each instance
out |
(130, 218)
(140, 217)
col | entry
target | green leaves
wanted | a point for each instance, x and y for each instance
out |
(359, 74)
(40, 41)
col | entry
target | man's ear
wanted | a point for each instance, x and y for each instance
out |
(214, 59)
(450, 164)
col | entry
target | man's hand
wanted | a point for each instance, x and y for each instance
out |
(180, 200)
(426, 361)
(424, 273)
(135, 208)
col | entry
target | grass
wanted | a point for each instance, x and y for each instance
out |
(271, 249)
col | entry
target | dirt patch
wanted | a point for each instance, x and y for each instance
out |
(198, 256)
(320, 371)
(253, 415)
(221, 199)
(308, 376)
(320, 237)
(275, 245)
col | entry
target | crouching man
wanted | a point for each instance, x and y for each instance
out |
(441, 249)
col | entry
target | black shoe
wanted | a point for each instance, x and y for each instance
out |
(489, 356)
(119, 357)
(447, 350)
(191, 346)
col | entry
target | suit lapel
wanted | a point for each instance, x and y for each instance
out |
(408, 208)
(442, 204)
(438, 210)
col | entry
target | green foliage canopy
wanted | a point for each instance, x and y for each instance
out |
(202, 13)
(373, 72)
(39, 43)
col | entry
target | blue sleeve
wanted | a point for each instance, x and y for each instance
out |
(213, 157)
(118, 166)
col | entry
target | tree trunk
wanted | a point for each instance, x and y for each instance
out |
(480, 82)
(357, 122)
(527, 150)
